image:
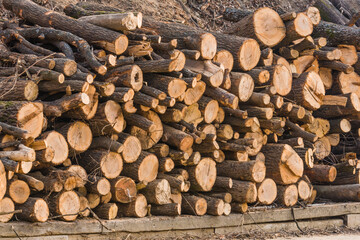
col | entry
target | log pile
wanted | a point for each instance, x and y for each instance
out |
(115, 114)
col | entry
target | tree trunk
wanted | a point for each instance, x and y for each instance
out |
(34, 210)
(283, 164)
(107, 211)
(339, 193)
(109, 164)
(157, 192)
(203, 175)
(145, 168)
(321, 173)
(137, 208)
(66, 204)
(243, 192)
(132, 147)
(287, 195)
(193, 205)
(170, 209)
(113, 42)
(264, 25)
(247, 171)
(267, 191)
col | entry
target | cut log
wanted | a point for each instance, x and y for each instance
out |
(223, 97)
(189, 38)
(107, 211)
(137, 208)
(202, 176)
(287, 195)
(298, 28)
(147, 139)
(78, 136)
(193, 205)
(114, 42)
(33, 183)
(145, 168)
(212, 74)
(170, 209)
(321, 173)
(34, 210)
(304, 190)
(6, 206)
(242, 85)
(264, 25)
(25, 115)
(177, 138)
(65, 204)
(114, 21)
(57, 143)
(239, 207)
(280, 78)
(157, 192)
(308, 90)
(98, 185)
(283, 164)
(243, 192)
(109, 164)
(339, 193)
(246, 171)
(330, 13)
(266, 191)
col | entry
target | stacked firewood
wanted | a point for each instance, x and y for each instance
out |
(115, 114)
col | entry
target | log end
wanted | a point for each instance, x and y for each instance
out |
(208, 46)
(249, 55)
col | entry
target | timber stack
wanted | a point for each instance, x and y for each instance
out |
(115, 114)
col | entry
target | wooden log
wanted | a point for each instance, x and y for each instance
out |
(18, 191)
(189, 38)
(107, 143)
(34, 210)
(68, 102)
(110, 164)
(114, 42)
(26, 115)
(157, 192)
(255, 22)
(243, 192)
(137, 208)
(98, 185)
(177, 138)
(6, 206)
(51, 184)
(166, 164)
(148, 139)
(107, 211)
(78, 136)
(321, 173)
(239, 207)
(93, 199)
(330, 13)
(260, 76)
(212, 74)
(246, 171)
(280, 78)
(298, 28)
(131, 147)
(267, 191)
(65, 204)
(114, 21)
(242, 85)
(348, 34)
(308, 90)
(57, 144)
(170, 209)
(33, 183)
(287, 195)
(283, 164)
(203, 175)
(338, 193)
(145, 168)
(304, 189)
(193, 205)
